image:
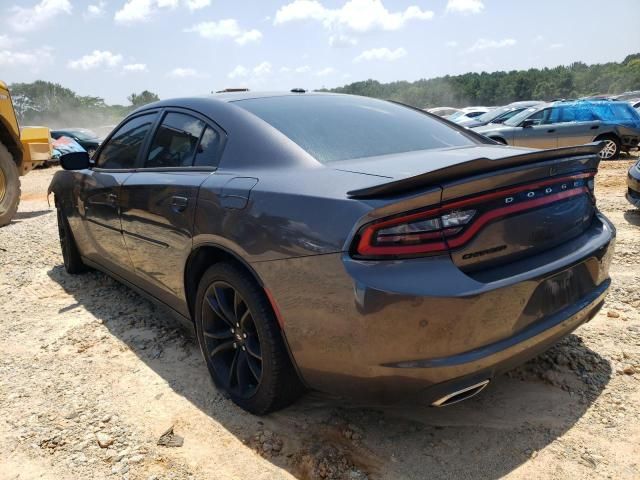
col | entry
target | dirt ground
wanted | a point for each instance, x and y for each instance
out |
(91, 375)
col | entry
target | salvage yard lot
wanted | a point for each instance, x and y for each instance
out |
(86, 359)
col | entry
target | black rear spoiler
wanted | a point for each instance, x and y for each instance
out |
(473, 167)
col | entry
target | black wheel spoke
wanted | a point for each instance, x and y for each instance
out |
(233, 369)
(237, 301)
(253, 347)
(214, 304)
(224, 334)
(223, 347)
(254, 367)
(223, 302)
(244, 318)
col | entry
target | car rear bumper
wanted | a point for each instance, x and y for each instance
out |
(387, 331)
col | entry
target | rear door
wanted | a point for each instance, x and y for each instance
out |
(576, 125)
(540, 135)
(159, 201)
(100, 193)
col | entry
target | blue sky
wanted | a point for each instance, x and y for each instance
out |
(111, 48)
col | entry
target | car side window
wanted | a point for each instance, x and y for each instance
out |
(207, 154)
(121, 150)
(539, 116)
(175, 141)
(554, 115)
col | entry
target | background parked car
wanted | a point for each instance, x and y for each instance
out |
(498, 115)
(563, 124)
(443, 111)
(86, 138)
(468, 113)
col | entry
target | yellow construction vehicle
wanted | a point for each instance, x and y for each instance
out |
(20, 151)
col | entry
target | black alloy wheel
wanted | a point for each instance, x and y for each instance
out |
(231, 339)
(241, 340)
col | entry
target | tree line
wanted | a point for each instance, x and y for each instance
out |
(499, 88)
(51, 104)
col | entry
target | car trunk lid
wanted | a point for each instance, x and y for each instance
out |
(491, 210)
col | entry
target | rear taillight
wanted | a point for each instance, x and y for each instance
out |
(453, 224)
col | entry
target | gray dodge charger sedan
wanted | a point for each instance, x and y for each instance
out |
(345, 244)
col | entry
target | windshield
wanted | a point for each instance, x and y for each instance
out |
(336, 127)
(455, 115)
(492, 114)
(516, 119)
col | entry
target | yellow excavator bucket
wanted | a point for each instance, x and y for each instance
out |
(36, 143)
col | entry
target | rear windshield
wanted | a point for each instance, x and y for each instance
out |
(335, 127)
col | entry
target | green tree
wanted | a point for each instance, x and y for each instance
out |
(498, 88)
(142, 98)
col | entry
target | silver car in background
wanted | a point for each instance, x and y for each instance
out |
(565, 124)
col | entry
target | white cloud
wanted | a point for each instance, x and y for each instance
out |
(465, 6)
(197, 4)
(555, 46)
(227, 28)
(384, 53)
(483, 44)
(355, 15)
(303, 69)
(262, 69)
(342, 40)
(325, 71)
(95, 10)
(249, 36)
(134, 11)
(96, 59)
(8, 41)
(183, 72)
(238, 72)
(33, 60)
(451, 44)
(135, 67)
(25, 19)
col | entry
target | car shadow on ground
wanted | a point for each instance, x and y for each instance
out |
(26, 215)
(485, 437)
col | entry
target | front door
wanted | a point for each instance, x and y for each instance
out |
(540, 134)
(159, 203)
(100, 196)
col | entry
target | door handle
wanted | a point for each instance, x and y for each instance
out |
(551, 130)
(179, 204)
(595, 127)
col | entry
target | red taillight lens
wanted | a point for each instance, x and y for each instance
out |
(454, 224)
(424, 232)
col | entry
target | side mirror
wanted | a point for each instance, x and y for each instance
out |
(498, 121)
(75, 161)
(528, 123)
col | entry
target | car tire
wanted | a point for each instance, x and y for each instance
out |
(611, 150)
(241, 341)
(9, 187)
(70, 254)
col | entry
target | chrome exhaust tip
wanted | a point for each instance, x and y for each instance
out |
(460, 395)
